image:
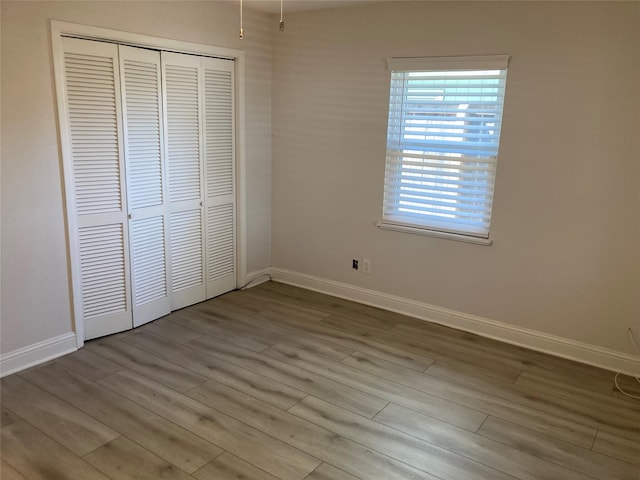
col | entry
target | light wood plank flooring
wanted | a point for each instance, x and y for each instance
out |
(280, 383)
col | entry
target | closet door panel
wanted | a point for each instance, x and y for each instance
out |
(221, 262)
(103, 267)
(186, 257)
(100, 254)
(183, 127)
(219, 154)
(144, 159)
(149, 270)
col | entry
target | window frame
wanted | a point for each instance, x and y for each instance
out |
(392, 219)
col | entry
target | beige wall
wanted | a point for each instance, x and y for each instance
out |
(566, 228)
(35, 282)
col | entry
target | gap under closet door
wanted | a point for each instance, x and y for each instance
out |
(145, 176)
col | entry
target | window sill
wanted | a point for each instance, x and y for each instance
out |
(434, 233)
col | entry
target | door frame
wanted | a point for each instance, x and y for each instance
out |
(65, 29)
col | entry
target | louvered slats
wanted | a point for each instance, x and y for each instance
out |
(219, 180)
(220, 242)
(102, 266)
(183, 132)
(183, 97)
(186, 249)
(93, 132)
(93, 162)
(219, 132)
(144, 162)
(148, 259)
(144, 152)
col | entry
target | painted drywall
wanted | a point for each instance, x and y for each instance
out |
(565, 258)
(35, 287)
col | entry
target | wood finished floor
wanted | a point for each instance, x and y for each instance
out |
(281, 383)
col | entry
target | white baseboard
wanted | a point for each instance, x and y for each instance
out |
(532, 339)
(37, 353)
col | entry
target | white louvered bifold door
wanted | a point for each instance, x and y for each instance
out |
(95, 187)
(183, 132)
(219, 165)
(144, 160)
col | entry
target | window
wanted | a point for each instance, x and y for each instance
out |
(445, 115)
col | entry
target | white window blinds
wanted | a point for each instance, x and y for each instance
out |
(443, 136)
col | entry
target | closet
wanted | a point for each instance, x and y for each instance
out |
(150, 181)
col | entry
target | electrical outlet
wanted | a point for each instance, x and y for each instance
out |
(366, 265)
(354, 264)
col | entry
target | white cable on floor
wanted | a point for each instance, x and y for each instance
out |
(615, 379)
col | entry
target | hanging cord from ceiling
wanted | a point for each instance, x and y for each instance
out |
(281, 16)
(241, 24)
(615, 380)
